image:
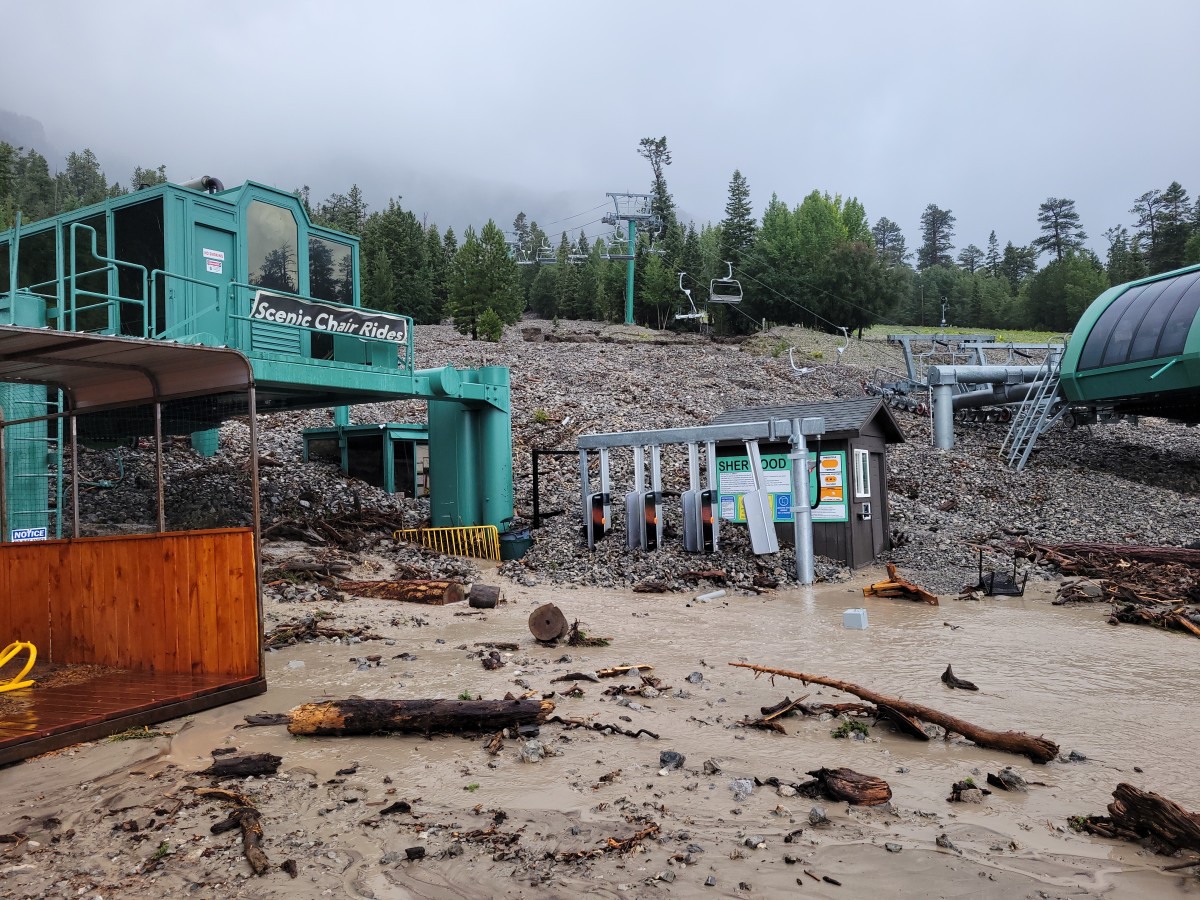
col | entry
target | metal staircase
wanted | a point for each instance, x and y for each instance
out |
(1040, 409)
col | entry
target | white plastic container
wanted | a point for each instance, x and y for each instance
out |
(855, 618)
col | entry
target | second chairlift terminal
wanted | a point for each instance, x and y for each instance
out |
(700, 503)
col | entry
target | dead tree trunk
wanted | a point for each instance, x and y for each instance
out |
(342, 717)
(433, 593)
(243, 764)
(1147, 813)
(1037, 749)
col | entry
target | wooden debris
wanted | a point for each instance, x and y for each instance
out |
(498, 645)
(651, 587)
(547, 623)
(430, 592)
(345, 529)
(597, 726)
(1146, 814)
(577, 638)
(239, 765)
(1037, 749)
(949, 678)
(576, 676)
(716, 576)
(1177, 618)
(312, 628)
(249, 820)
(483, 596)
(853, 787)
(611, 845)
(895, 586)
(350, 717)
(771, 713)
(265, 719)
(246, 817)
(614, 671)
(495, 744)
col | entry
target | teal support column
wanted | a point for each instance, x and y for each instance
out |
(205, 442)
(629, 274)
(341, 415)
(495, 451)
(453, 464)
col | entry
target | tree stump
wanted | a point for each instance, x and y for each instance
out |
(1147, 813)
(243, 764)
(547, 623)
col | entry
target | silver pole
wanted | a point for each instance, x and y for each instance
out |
(943, 416)
(585, 489)
(802, 513)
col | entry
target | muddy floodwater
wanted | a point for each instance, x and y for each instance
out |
(1119, 696)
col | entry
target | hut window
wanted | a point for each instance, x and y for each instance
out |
(330, 271)
(272, 243)
(862, 473)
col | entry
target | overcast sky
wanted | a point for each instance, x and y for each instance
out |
(471, 110)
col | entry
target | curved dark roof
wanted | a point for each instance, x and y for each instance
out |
(1147, 321)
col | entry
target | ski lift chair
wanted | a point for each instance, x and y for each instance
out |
(725, 290)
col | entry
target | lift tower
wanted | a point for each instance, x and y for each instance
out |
(630, 208)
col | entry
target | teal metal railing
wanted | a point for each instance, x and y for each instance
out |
(176, 332)
(111, 302)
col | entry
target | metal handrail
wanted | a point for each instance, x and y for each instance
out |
(154, 332)
(113, 262)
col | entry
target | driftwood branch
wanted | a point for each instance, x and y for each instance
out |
(1037, 749)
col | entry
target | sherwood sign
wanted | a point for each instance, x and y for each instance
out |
(333, 319)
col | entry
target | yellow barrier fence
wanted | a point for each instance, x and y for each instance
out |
(479, 541)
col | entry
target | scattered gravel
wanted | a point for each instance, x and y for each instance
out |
(1123, 483)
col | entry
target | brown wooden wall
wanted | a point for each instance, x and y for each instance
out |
(179, 602)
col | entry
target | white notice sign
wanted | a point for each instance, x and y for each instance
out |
(214, 266)
(214, 254)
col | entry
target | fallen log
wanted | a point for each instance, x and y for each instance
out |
(853, 787)
(343, 717)
(1176, 618)
(239, 765)
(949, 678)
(614, 671)
(433, 593)
(1151, 815)
(1037, 749)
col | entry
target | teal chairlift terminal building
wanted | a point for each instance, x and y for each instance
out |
(244, 268)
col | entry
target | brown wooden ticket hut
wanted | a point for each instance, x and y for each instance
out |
(175, 618)
(861, 429)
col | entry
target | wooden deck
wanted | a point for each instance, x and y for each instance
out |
(41, 718)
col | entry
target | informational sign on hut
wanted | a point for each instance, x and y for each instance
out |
(734, 480)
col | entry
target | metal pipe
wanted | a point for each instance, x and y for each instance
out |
(585, 489)
(801, 513)
(256, 524)
(75, 476)
(999, 395)
(158, 467)
(981, 374)
(943, 415)
(13, 258)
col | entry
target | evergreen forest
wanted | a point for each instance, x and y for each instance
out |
(819, 262)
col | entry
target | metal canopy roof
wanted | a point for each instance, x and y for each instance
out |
(843, 418)
(98, 371)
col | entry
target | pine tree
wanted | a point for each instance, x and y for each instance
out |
(1059, 223)
(1175, 227)
(889, 243)
(970, 258)
(738, 227)
(937, 234)
(1125, 263)
(1148, 208)
(992, 260)
(655, 152)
